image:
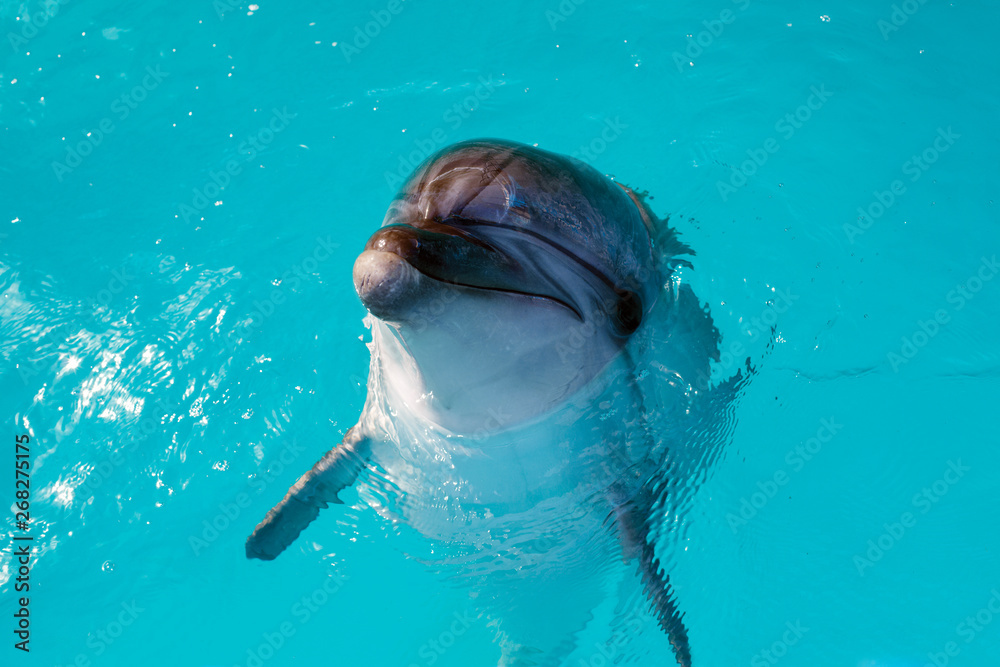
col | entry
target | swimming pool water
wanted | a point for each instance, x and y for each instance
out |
(185, 188)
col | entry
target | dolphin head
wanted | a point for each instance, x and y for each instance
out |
(504, 277)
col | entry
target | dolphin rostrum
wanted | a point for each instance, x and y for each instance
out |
(513, 296)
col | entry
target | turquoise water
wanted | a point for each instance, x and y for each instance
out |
(185, 188)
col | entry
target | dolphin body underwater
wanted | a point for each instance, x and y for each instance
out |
(538, 386)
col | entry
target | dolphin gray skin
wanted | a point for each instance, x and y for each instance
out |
(510, 290)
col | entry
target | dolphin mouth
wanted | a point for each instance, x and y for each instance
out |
(387, 275)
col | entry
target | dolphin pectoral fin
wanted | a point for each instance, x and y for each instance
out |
(661, 594)
(314, 491)
(633, 523)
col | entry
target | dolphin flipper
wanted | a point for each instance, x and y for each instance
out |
(634, 523)
(661, 594)
(313, 492)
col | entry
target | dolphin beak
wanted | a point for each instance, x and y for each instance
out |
(401, 263)
(387, 284)
(404, 263)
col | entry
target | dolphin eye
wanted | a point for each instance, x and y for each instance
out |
(628, 312)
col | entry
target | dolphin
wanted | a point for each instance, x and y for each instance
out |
(511, 294)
